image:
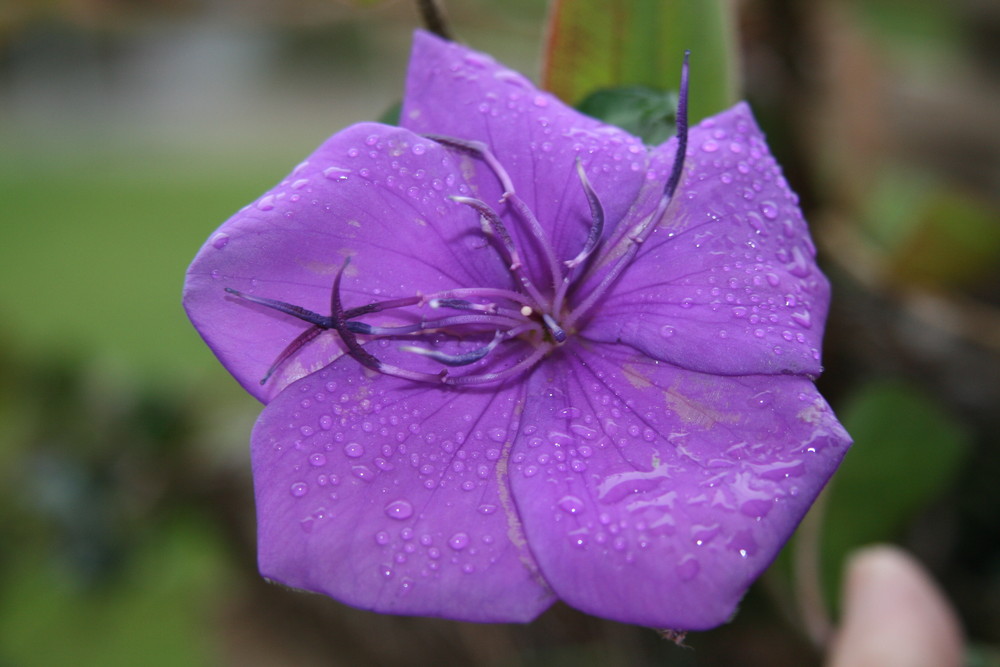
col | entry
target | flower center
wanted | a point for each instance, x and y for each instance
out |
(543, 318)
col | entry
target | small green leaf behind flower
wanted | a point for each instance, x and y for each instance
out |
(645, 112)
(598, 44)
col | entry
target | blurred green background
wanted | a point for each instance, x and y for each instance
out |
(129, 130)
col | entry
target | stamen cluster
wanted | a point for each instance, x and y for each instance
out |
(544, 318)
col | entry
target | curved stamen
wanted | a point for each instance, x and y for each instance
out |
(596, 216)
(558, 333)
(287, 308)
(594, 236)
(632, 241)
(495, 224)
(482, 151)
(637, 235)
(300, 341)
(682, 132)
(425, 326)
(379, 306)
(485, 378)
(481, 292)
(457, 359)
(463, 304)
(354, 348)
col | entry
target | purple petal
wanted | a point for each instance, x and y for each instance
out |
(728, 282)
(655, 495)
(392, 496)
(460, 93)
(374, 193)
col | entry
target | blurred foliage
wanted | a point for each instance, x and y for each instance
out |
(907, 451)
(124, 482)
(599, 44)
(644, 112)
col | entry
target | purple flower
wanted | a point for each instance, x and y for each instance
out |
(510, 355)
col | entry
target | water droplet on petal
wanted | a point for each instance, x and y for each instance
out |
(363, 473)
(803, 319)
(354, 450)
(799, 266)
(299, 489)
(458, 541)
(220, 241)
(571, 504)
(318, 459)
(399, 509)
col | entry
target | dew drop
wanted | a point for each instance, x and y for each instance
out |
(220, 241)
(399, 509)
(266, 203)
(458, 541)
(354, 450)
(363, 473)
(299, 489)
(799, 266)
(769, 210)
(571, 505)
(336, 173)
(803, 319)
(318, 459)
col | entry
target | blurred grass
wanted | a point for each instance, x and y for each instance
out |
(153, 614)
(96, 242)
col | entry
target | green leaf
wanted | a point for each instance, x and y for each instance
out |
(646, 113)
(906, 451)
(596, 44)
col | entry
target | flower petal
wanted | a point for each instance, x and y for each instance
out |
(392, 496)
(728, 282)
(655, 495)
(454, 91)
(372, 193)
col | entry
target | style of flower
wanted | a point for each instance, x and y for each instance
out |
(511, 355)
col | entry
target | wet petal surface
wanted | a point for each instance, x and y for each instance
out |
(654, 495)
(727, 283)
(535, 136)
(392, 496)
(372, 193)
